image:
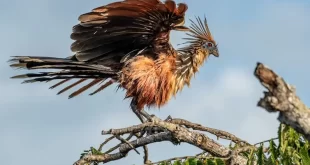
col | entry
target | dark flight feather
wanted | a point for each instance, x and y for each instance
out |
(59, 83)
(84, 88)
(123, 27)
(72, 85)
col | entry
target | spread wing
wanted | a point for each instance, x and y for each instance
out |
(117, 31)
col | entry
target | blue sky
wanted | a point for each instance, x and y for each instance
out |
(38, 126)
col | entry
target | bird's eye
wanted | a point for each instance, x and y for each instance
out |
(208, 45)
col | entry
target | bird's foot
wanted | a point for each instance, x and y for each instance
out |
(168, 119)
(150, 118)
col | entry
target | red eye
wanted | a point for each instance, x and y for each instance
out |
(210, 44)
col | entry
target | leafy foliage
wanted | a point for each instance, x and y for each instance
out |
(290, 148)
(193, 161)
(92, 151)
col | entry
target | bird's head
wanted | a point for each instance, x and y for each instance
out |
(201, 37)
(211, 48)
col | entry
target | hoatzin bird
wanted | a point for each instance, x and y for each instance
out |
(127, 42)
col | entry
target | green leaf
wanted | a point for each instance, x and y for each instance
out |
(162, 163)
(219, 162)
(166, 163)
(177, 162)
(273, 152)
(284, 146)
(260, 155)
(94, 151)
(280, 134)
(192, 161)
(304, 155)
(210, 162)
(269, 162)
(186, 162)
(200, 162)
(251, 157)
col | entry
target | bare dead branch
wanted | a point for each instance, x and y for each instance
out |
(174, 133)
(219, 133)
(124, 149)
(180, 134)
(118, 145)
(105, 142)
(146, 155)
(281, 97)
(125, 141)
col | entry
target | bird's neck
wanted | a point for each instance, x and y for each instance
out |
(188, 63)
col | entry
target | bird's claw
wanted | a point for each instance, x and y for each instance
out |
(168, 119)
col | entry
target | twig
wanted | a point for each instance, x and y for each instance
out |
(125, 141)
(133, 129)
(266, 141)
(146, 155)
(216, 132)
(281, 97)
(117, 146)
(145, 149)
(124, 149)
(105, 142)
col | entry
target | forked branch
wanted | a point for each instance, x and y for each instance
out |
(281, 97)
(174, 131)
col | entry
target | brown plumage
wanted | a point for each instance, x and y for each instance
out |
(149, 80)
(127, 43)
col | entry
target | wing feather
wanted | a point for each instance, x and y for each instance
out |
(121, 28)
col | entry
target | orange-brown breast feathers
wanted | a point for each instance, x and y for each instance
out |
(150, 81)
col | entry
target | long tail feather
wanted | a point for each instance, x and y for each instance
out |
(59, 83)
(67, 72)
(69, 69)
(71, 86)
(84, 88)
(102, 87)
(35, 62)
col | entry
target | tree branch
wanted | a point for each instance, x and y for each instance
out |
(281, 97)
(174, 133)
(218, 133)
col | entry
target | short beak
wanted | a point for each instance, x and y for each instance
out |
(215, 53)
